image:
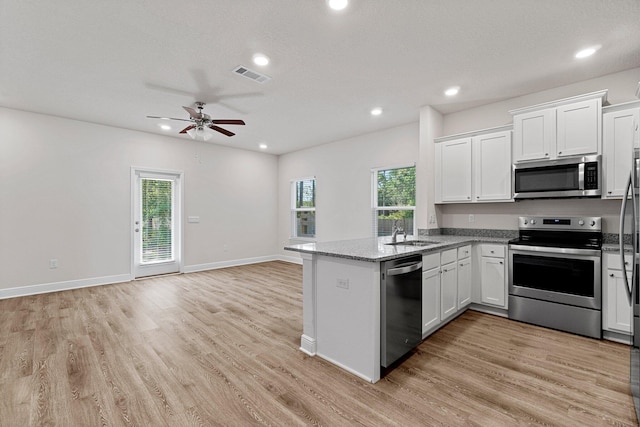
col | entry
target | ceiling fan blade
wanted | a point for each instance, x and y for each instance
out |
(187, 129)
(193, 113)
(167, 118)
(223, 131)
(228, 122)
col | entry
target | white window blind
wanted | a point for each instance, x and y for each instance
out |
(303, 208)
(394, 200)
(157, 220)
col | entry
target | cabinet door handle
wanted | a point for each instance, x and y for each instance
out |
(611, 275)
(609, 192)
(559, 152)
(546, 154)
(501, 262)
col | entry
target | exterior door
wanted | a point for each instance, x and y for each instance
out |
(157, 207)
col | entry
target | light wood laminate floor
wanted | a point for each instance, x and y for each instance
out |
(221, 348)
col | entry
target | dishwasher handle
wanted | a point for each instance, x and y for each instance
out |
(404, 269)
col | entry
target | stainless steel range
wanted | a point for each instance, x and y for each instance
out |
(555, 274)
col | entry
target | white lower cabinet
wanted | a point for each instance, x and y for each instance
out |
(493, 278)
(448, 283)
(430, 299)
(464, 277)
(616, 308)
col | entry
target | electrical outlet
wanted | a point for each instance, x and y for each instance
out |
(53, 263)
(472, 218)
(343, 283)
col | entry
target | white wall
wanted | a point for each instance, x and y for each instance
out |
(65, 193)
(343, 180)
(621, 87)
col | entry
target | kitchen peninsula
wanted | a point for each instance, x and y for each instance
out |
(342, 292)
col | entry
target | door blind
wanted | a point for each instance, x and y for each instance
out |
(157, 220)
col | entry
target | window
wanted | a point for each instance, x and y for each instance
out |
(394, 200)
(303, 208)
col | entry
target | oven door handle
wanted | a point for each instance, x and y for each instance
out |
(623, 212)
(550, 250)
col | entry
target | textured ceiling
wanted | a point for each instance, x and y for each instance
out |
(114, 62)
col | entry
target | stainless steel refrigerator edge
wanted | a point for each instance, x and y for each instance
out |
(400, 308)
(631, 204)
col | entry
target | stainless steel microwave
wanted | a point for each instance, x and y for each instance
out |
(567, 177)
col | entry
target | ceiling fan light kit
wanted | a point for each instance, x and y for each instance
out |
(199, 134)
(201, 122)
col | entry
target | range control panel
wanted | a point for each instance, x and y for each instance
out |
(572, 223)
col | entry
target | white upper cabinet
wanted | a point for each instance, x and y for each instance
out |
(492, 166)
(534, 135)
(579, 127)
(567, 127)
(620, 131)
(474, 167)
(453, 171)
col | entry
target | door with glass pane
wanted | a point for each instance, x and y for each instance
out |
(156, 223)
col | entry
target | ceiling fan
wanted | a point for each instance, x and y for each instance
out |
(200, 121)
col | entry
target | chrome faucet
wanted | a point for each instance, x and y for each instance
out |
(395, 232)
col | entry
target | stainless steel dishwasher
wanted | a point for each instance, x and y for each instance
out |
(400, 307)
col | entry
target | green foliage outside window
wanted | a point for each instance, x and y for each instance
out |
(156, 220)
(395, 188)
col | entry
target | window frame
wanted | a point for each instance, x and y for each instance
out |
(295, 210)
(374, 197)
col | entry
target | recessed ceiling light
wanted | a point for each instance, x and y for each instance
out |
(165, 127)
(263, 146)
(584, 53)
(338, 4)
(452, 91)
(376, 111)
(260, 59)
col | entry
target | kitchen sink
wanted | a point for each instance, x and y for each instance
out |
(413, 243)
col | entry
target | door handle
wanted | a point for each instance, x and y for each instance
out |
(627, 286)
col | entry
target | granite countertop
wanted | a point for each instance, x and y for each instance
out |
(614, 247)
(377, 249)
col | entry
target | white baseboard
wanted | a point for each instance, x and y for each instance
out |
(62, 286)
(108, 280)
(238, 262)
(308, 345)
(291, 259)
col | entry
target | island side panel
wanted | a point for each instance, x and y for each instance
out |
(308, 339)
(348, 315)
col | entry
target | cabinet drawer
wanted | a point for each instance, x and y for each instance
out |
(448, 256)
(430, 261)
(613, 261)
(493, 250)
(464, 252)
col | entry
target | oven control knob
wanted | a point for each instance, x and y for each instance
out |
(593, 223)
(526, 222)
(533, 222)
(581, 222)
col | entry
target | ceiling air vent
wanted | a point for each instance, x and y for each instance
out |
(250, 74)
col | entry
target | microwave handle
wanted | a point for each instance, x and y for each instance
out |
(581, 176)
